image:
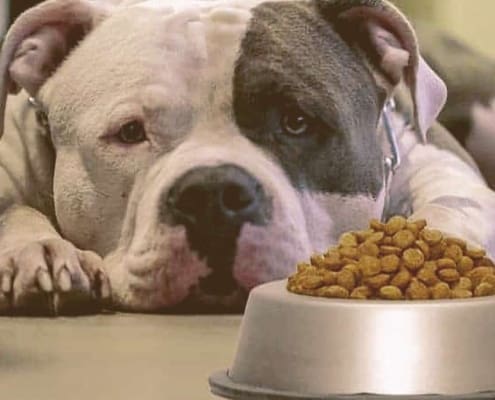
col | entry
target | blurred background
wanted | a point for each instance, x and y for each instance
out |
(471, 20)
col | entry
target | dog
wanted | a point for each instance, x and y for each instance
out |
(171, 156)
(469, 113)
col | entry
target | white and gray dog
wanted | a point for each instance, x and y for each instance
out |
(177, 154)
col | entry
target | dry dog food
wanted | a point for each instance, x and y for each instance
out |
(397, 260)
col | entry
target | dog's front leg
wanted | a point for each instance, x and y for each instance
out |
(40, 272)
(443, 189)
(43, 274)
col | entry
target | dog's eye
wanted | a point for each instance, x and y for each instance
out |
(132, 133)
(294, 123)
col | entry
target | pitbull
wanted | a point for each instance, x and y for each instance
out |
(174, 155)
(469, 113)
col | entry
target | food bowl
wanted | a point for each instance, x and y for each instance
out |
(300, 347)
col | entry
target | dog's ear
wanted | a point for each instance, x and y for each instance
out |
(380, 31)
(39, 41)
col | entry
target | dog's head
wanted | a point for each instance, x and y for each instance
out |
(207, 147)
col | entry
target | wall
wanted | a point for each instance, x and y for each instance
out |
(471, 20)
(4, 5)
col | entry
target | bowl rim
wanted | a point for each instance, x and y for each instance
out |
(221, 384)
(301, 298)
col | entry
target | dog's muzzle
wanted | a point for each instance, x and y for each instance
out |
(213, 203)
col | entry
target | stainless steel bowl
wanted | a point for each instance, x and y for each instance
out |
(302, 347)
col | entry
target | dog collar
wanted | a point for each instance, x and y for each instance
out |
(392, 161)
(41, 116)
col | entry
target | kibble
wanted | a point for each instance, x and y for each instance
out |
(390, 293)
(441, 291)
(484, 289)
(361, 293)
(417, 290)
(403, 239)
(396, 260)
(390, 263)
(394, 225)
(413, 259)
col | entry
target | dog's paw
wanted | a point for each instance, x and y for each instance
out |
(52, 277)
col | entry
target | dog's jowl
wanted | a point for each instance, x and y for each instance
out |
(198, 149)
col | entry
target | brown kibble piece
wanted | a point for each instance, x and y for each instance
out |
(301, 267)
(317, 260)
(427, 274)
(484, 262)
(394, 225)
(377, 237)
(390, 293)
(335, 291)
(401, 279)
(369, 249)
(329, 278)
(437, 251)
(446, 263)
(453, 252)
(377, 281)
(347, 261)
(362, 236)
(461, 294)
(459, 242)
(349, 252)
(361, 293)
(478, 273)
(475, 252)
(465, 265)
(413, 259)
(386, 250)
(403, 239)
(489, 279)
(431, 236)
(332, 260)
(312, 282)
(354, 269)
(387, 241)
(390, 263)
(348, 240)
(376, 225)
(464, 283)
(423, 246)
(417, 291)
(346, 279)
(369, 266)
(449, 275)
(420, 223)
(484, 289)
(413, 228)
(441, 291)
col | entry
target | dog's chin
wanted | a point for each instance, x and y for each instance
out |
(201, 302)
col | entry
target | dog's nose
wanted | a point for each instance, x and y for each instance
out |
(213, 203)
(213, 196)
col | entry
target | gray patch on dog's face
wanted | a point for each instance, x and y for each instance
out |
(292, 62)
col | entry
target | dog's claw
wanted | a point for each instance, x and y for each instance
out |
(51, 277)
(64, 280)
(6, 283)
(44, 280)
(105, 291)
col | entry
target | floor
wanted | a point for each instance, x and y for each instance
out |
(114, 356)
